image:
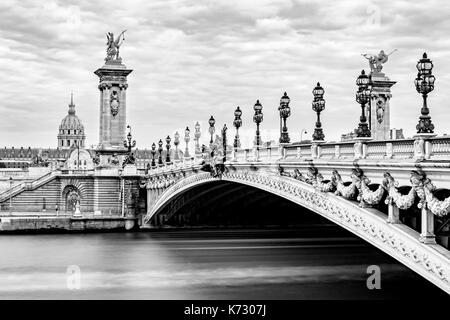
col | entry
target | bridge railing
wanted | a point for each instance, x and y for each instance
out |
(429, 148)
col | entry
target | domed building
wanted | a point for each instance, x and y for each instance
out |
(71, 130)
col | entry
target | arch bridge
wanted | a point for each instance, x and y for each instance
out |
(393, 194)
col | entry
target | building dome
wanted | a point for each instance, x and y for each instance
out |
(71, 130)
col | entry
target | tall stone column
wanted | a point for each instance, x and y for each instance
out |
(113, 85)
(379, 107)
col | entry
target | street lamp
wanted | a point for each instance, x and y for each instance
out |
(224, 142)
(237, 124)
(257, 118)
(197, 136)
(285, 112)
(127, 143)
(187, 139)
(318, 106)
(211, 128)
(176, 142)
(153, 155)
(168, 150)
(424, 84)
(362, 97)
(160, 150)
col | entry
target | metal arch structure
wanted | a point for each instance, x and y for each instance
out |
(431, 261)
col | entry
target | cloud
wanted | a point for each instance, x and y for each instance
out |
(194, 60)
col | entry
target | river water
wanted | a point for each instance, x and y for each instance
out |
(200, 264)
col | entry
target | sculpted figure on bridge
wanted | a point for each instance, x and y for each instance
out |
(376, 61)
(403, 202)
(113, 45)
(366, 196)
(347, 192)
(423, 188)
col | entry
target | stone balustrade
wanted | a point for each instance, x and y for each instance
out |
(392, 151)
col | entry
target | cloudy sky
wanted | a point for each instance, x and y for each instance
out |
(195, 59)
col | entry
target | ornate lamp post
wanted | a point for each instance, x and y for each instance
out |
(187, 139)
(362, 97)
(211, 128)
(237, 124)
(176, 142)
(197, 136)
(257, 118)
(160, 150)
(318, 106)
(168, 150)
(285, 112)
(224, 142)
(424, 85)
(127, 143)
(153, 155)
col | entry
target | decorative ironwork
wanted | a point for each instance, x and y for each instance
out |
(197, 136)
(362, 97)
(257, 118)
(211, 128)
(168, 150)
(160, 150)
(153, 151)
(130, 159)
(318, 105)
(237, 123)
(176, 142)
(424, 85)
(187, 139)
(285, 112)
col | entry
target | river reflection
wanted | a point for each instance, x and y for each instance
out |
(202, 264)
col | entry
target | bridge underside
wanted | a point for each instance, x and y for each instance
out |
(230, 204)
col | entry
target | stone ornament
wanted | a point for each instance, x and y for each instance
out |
(114, 103)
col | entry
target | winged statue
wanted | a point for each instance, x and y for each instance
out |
(113, 45)
(376, 61)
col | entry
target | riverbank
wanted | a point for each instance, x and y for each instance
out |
(46, 223)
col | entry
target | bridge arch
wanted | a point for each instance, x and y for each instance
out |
(397, 240)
